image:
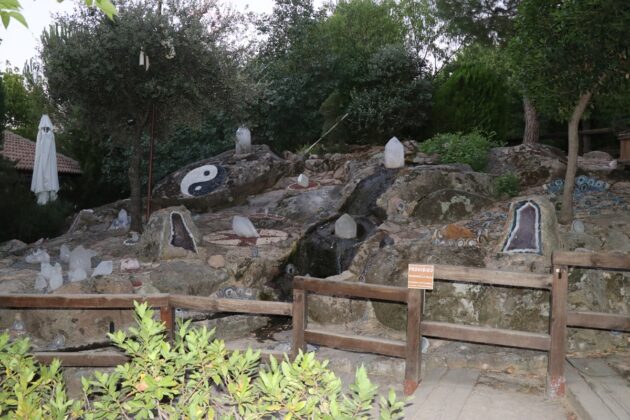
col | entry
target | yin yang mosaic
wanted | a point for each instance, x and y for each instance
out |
(525, 235)
(202, 180)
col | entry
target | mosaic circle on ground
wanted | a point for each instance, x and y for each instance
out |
(229, 238)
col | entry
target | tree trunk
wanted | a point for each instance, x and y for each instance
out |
(566, 212)
(135, 186)
(532, 126)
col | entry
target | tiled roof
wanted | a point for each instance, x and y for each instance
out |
(22, 151)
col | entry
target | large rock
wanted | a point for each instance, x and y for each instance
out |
(334, 310)
(188, 278)
(533, 164)
(413, 187)
(447, 206)
(529, 239)
(170, 233)
(222, 181)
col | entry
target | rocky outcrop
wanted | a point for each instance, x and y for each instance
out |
(533, 164)
(222, 181)
(413, 187)
(170, 233)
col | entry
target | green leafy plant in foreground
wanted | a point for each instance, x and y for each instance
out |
(471, 148)
(195, 377)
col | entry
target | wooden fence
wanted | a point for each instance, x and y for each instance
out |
(166, 303)
(553, 342)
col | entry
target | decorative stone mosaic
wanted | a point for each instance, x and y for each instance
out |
(583, 184)
(312, 185)
(202, 180)
(525, 235)
(229, 238)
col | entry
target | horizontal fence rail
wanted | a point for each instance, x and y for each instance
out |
(554, 342)
(410, 350)
(166, 303)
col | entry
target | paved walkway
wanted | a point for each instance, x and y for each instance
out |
(599, 388)
(467, 394)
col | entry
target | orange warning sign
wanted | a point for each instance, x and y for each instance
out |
(420, 276)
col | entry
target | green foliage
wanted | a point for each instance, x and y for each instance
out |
(2, 109)
(10, 9)
(394, 98)
(194, 378)
(111, 97)
(25, 101)
(474, 93)
(563, 49)
(29, 390)
(20, 215)
(508, 184)
(471, 148)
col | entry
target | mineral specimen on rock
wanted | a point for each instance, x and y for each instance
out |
(243, 141)
(394, 154)
(244, 228)
(104, 268)
(346, 227)
(303, 181)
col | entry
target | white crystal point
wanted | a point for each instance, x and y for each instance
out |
(303, 181)
(244, 228)
(243, 140)
(64, 253)
(104, 268)
(38, 256)
(77, 274)
(56, 278)
(81, 258)
(41, 283)
(394, 154)
(346, 227)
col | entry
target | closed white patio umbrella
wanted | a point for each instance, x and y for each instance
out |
(45, 183)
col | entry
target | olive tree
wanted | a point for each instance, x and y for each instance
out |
(565, 52)
(93, 72)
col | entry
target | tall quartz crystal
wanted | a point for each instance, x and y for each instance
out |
(394, 154)
(244, 228)
(243, 141)
(346, 227)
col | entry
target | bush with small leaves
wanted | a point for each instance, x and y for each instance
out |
(471, 148)
(193, 378)
(508, 184)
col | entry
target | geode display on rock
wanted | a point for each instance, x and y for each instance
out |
(170, 233)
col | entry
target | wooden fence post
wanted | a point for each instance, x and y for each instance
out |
(558, 332)
(167, 315)
(413, 353)
(299, 321)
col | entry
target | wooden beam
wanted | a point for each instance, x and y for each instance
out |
(598, 320)
(493, 277)
(83, 359)
(485, 335)
(356, 343)
(608, 260)
(210, 304)
(413, 352)
(80, 301)
(556, 382)
(167, 315)
(351, 289)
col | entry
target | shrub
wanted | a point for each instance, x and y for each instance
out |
(193, 378)
(20, 215)
(507, 184)
(471, 148)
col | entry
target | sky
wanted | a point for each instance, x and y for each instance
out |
(19, 44)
